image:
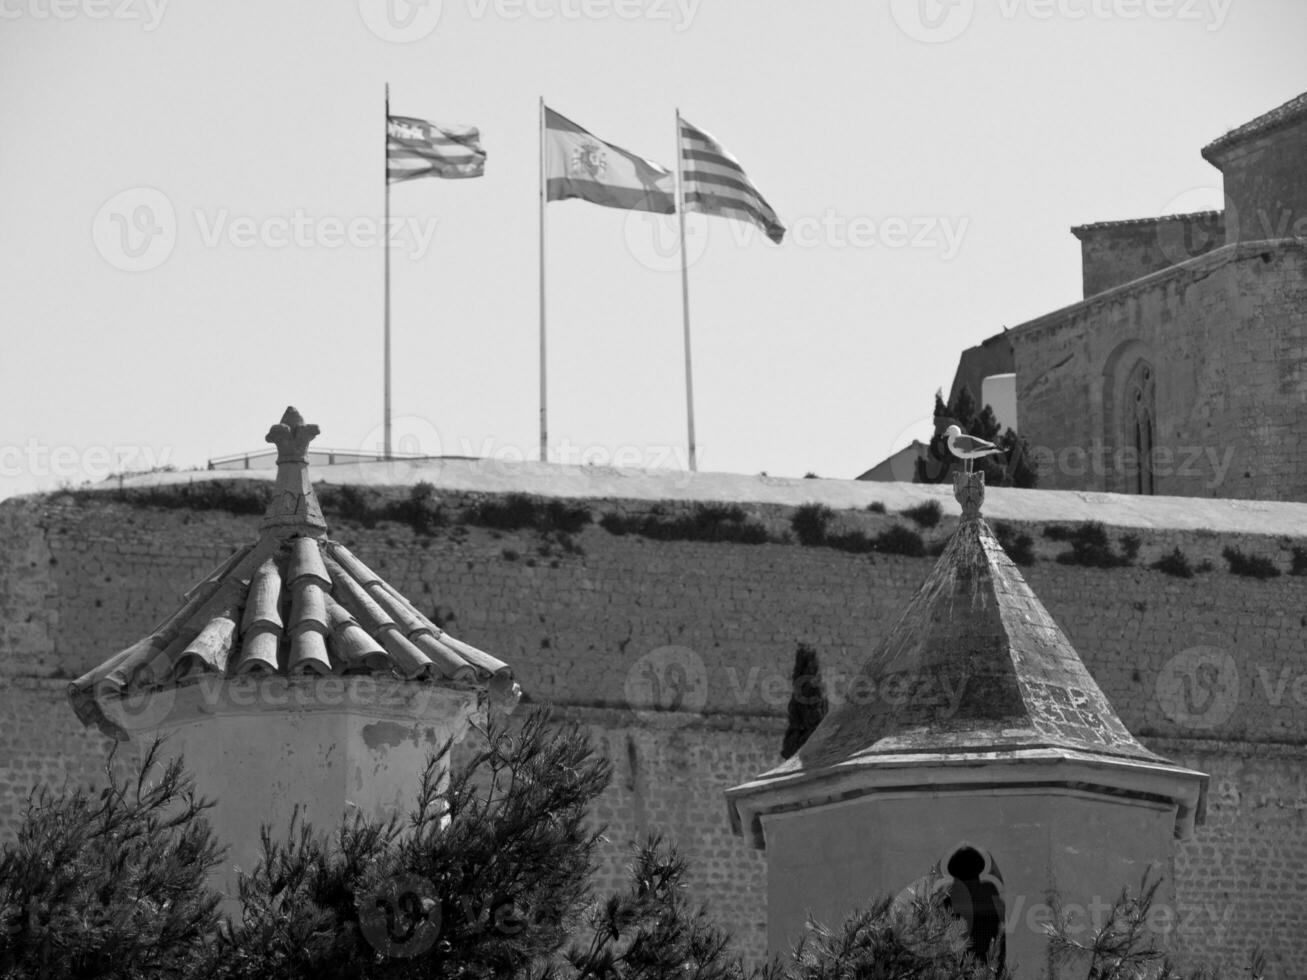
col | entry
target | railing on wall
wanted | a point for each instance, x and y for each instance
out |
(267, 458)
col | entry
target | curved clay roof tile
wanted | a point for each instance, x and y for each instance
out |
(295, 602)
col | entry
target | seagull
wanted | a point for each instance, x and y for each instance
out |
(968, 448)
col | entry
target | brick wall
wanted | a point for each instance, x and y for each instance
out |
(80, 580)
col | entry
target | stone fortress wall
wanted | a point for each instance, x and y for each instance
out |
(678, 653)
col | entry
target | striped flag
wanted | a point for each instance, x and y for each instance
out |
(417, 148)
(714, 183)
(580, 165)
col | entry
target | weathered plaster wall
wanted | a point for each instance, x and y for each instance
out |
(1226, 336)
(587, 631)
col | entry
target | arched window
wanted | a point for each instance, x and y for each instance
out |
(975, 896)
(971, 887)
(1140, 411)
(1129, 414)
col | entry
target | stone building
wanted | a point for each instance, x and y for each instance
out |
(1183, 370)
(1000, 766)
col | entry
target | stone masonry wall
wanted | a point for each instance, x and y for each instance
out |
(1226, 336)
(1266, 185)
(677, 654)
(1117, 252)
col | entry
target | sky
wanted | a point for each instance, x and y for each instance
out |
(193, 197)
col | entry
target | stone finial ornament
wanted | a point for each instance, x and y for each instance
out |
(294, 507)
(969, 488)
(292, 436)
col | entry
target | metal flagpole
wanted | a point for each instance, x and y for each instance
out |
(685, 298)
(385, 416)
(544, 411)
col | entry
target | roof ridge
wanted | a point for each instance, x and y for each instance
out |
(1294, 110)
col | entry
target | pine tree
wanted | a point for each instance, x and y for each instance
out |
(109, 884)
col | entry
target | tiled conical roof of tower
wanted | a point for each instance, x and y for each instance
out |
(976, 665)
(294, 602)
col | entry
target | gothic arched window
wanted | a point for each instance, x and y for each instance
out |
(1140, 412)
(1129, 419)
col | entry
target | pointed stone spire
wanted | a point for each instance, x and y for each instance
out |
(294, 505)
(975, 667)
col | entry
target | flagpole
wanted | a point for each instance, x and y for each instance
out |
(685, 300)
(544, 410)
(385, 415)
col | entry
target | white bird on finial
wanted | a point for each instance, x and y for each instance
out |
(968, 448)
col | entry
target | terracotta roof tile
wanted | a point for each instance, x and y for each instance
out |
(1142, 222)
(294, 602)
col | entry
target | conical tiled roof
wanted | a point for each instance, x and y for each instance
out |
(294, 602)
(975, 663)
(974, 686)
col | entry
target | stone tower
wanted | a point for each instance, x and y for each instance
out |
(984, 752)
(294, 677)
